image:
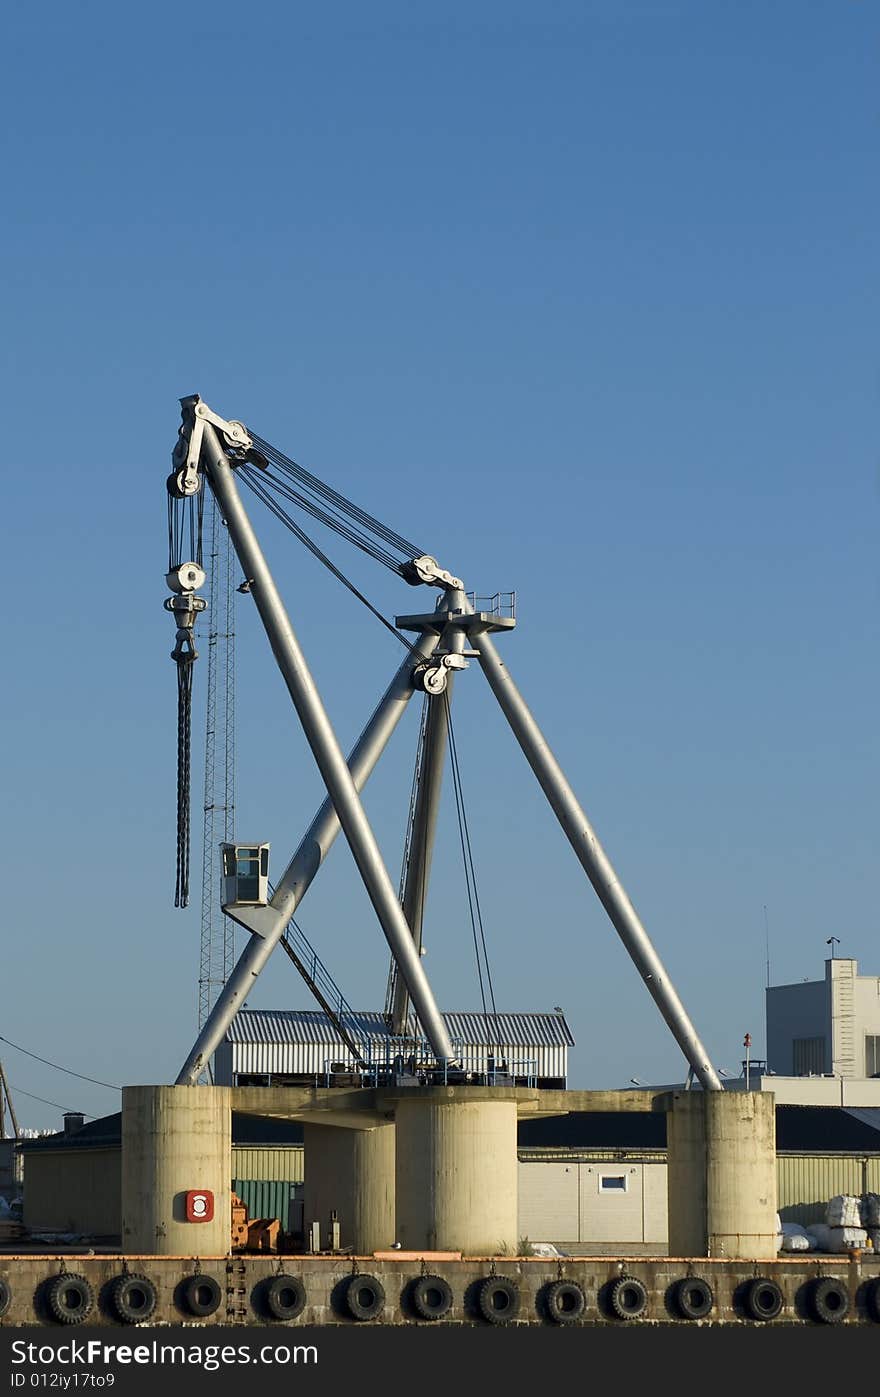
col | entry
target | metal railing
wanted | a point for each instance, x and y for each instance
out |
(501, 604)
(392, 1056)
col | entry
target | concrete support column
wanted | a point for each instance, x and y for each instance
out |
(175, 1139)
(722, 1173)
(350, 1172)
(457, 1171)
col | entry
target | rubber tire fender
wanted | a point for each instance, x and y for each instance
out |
(277, 1292)
(198, 1304)
(431, 1297)
(755, 1307)
(872, 1299)
(5, 1297)
(359, 1287)
(123, 1298)
(69, 1283)
(694, 1297)
(628, 1297)
(829, 1300)
(494, 1286)
(565, 1302)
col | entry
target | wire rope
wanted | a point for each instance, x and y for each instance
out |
(70, 1073)
(19, 1091)
(473, 897)
(254, 482)
(334, 499)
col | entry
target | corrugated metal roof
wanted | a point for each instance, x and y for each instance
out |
(484, 1030)
(867, 1115)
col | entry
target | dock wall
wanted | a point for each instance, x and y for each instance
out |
(242, 1282)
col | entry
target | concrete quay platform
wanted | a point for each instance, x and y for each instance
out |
(239, 1285)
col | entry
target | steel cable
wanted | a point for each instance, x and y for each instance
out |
(254, 482)
(58, 1068)
(357, 537)
(333, 497)
(473, 897)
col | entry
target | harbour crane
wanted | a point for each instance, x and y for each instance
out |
(224, 454)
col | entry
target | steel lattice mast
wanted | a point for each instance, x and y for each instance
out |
(217, 939)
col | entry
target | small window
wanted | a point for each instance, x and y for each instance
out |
(872, 1054)
(612, 1183)
(247, 863)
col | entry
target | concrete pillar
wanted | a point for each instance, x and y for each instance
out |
(350, 1172)
(457, 1170)
(721, 1175)
(175, 1139)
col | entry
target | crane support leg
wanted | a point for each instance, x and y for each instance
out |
(323, 742)
(595, 861)
(297, 879)
(418, 870)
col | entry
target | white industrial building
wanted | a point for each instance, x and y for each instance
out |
(825, 1027)
(291, 1047)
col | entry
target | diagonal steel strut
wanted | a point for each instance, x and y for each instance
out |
(595, 861)
(325, 748)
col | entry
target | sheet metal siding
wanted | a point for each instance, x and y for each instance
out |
(310, 1025)
(269, 1198)
(223, 1064)
(806, 1182)
(310, 1059)
(74, 1191)
(277, 1043)
(269, 1162)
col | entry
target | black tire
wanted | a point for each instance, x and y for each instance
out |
(5, 1297)
(365, 1297)
(202, 1295)
(431, 1297)
(498, 1299)
(133, 1298)
(565, 1302)
(763, 1299)
(694, 1297)
(872, 1299)
(70, 1298)
(285, 1297)
(829, 1300)
(628, 1297)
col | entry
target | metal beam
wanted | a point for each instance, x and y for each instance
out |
(421, 848)
(595, 861)
(323, 742)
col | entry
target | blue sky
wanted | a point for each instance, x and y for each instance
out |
(581, 296)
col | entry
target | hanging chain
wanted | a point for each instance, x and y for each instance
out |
(185, 575)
